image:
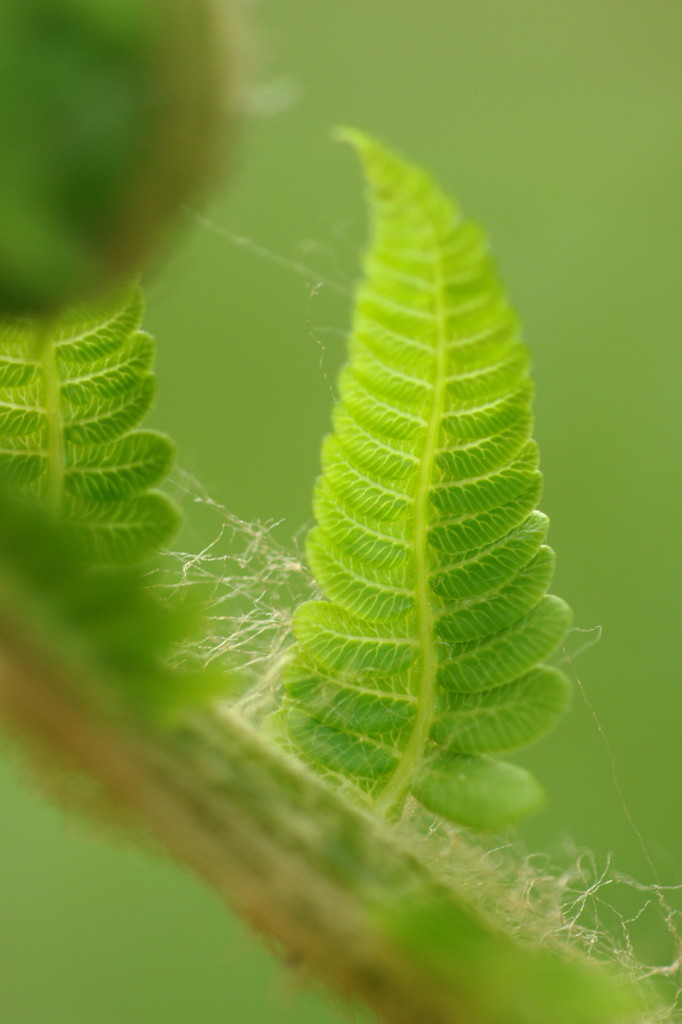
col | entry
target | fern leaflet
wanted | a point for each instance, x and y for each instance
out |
(72, 390)
(422, 660)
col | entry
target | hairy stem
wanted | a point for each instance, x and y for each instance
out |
(338, 888)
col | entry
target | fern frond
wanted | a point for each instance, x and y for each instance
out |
(423, 658)
(72, 392)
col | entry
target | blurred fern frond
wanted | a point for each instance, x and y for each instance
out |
(72, 391)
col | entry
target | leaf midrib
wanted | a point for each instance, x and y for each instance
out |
(54, 480)
(423, 681)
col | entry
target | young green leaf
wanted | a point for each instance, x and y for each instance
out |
(72, 390)
(422, 658)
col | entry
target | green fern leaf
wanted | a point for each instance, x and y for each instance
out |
(424, 656)
(72, 392)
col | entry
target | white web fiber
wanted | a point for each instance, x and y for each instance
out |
(250, 583)
(570, 903)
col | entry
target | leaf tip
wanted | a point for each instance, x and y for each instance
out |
(347, 133)
(361, 141)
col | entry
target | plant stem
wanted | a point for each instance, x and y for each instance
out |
(336, 887)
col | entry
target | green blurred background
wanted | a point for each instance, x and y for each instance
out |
(558, 125)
